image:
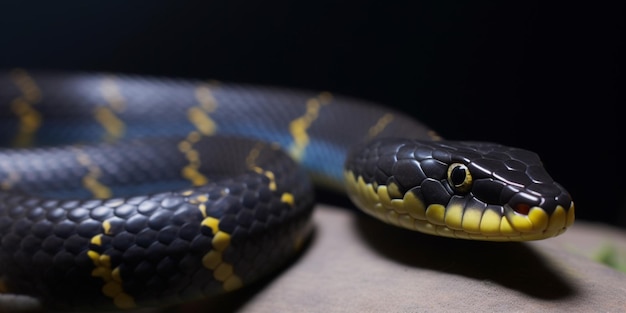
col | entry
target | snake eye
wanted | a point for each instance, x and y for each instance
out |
(459, 177)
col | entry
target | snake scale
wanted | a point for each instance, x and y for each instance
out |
(121, 191)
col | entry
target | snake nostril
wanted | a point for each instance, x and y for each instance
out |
(521, 208)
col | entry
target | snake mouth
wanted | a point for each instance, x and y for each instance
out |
(487, 224)
(459, 219)
(524, 223)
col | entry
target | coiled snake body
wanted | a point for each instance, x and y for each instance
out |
(162, 210)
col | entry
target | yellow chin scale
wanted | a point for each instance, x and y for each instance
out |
(408, 211)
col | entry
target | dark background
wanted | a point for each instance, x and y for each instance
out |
(537, 75)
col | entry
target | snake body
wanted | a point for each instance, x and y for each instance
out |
(162, 210)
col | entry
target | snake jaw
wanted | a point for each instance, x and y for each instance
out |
(499, 223)
(462, 217)
(539, 223)
(524, 216)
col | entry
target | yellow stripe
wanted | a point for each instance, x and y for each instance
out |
(206, 98)
(251, 163)
(24, 107)
(113, 284)
(113, 126)
(202, 121)
(212, 260)
(269, 174)
(107, 115)
(287, 198)
(191, 170)
(90, 180)
(299, 126)
(380, 125)
(253, 155)
(112, 94)
(200, 115)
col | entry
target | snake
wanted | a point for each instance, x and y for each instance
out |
(120, 191)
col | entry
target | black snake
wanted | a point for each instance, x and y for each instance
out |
(116, 191)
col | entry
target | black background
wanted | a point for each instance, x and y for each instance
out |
(537, 75)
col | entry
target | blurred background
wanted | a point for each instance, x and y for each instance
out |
(537, 75)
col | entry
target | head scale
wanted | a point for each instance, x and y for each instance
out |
(459, 189)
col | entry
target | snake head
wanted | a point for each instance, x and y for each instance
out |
(471, 190)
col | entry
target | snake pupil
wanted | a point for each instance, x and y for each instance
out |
(457, 177)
